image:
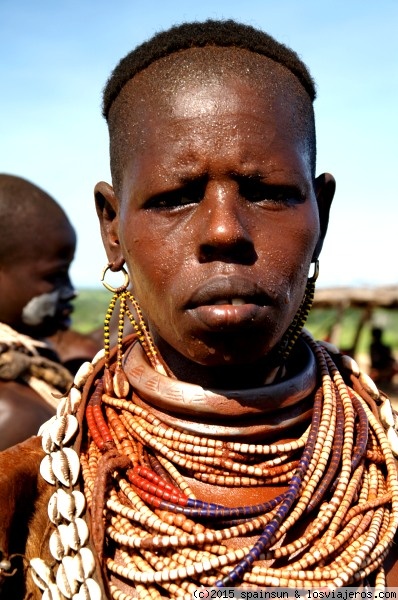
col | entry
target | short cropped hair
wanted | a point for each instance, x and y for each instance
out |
(197, 35)
(208, 34)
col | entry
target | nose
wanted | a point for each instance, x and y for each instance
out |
(225, 226)
(67, 291)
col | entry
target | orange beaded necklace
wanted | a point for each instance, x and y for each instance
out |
(163, 540)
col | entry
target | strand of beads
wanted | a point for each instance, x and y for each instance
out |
(206, 457)
(167, 538)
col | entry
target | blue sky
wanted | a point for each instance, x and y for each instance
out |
(57, 55)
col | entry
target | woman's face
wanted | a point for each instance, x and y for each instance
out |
(37, 290)
(217, 220)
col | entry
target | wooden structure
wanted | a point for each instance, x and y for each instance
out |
(364, 298)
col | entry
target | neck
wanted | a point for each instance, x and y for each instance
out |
(225, 376)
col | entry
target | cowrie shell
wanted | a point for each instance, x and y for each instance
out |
(45, 425)
(66, 504)
(71, 572)
(108, 382)
(64, 407)
(77, 534)
(52, 508)
(67, 585)
(66, 466)
(120, 384)
(63, 532)
(80, 502)
(63, 429)
(47, 442)
(99, 356)
(57, 549)
(78, 568)
(83, 374)
(46, 470)
(350, 364)
(75, 398)
(41, 573)
(83, 594)
(84, 564)
(88, 561)
(386, 414)
(89, 590)
(369, 385)
(52, 593)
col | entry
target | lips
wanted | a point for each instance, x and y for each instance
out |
(231, 290)
(229, 301)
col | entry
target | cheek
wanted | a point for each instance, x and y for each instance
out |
(39, 308)
(291, 260)
(153, 254)
(155, 274)
(301, 239)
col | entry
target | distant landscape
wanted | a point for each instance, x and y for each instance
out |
(91, 306)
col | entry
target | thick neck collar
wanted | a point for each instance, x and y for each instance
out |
(248, 413)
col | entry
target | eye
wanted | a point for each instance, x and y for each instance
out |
(255, 190)
(57, 278)
(189, 193)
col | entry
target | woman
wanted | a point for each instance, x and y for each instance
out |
(219, 445)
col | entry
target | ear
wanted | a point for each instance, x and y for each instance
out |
(325, 186)
(107, 206)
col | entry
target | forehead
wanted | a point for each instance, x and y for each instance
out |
(51, 240)
(165, 86)
(205, 81)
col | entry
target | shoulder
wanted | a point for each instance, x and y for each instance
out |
(74, 348)
(22, 412)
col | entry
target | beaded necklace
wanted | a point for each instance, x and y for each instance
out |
(168, 538)
(151, 532)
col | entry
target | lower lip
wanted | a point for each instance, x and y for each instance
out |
(227, 316)
(65, 315)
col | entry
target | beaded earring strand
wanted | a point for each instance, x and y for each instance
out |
(122, 296)
(293, 332)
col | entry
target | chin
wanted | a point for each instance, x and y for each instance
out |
(50, 328)
(233, 352)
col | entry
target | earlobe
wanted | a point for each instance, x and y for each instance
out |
(107, 207)
(325, 187)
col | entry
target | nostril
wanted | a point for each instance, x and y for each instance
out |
(237, 252)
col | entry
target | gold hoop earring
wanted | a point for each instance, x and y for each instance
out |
(315, 274)
(112, 289)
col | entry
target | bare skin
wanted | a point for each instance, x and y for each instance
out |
(22, 412)
(73, 347)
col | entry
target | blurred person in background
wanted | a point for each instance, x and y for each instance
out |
(37, 247)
